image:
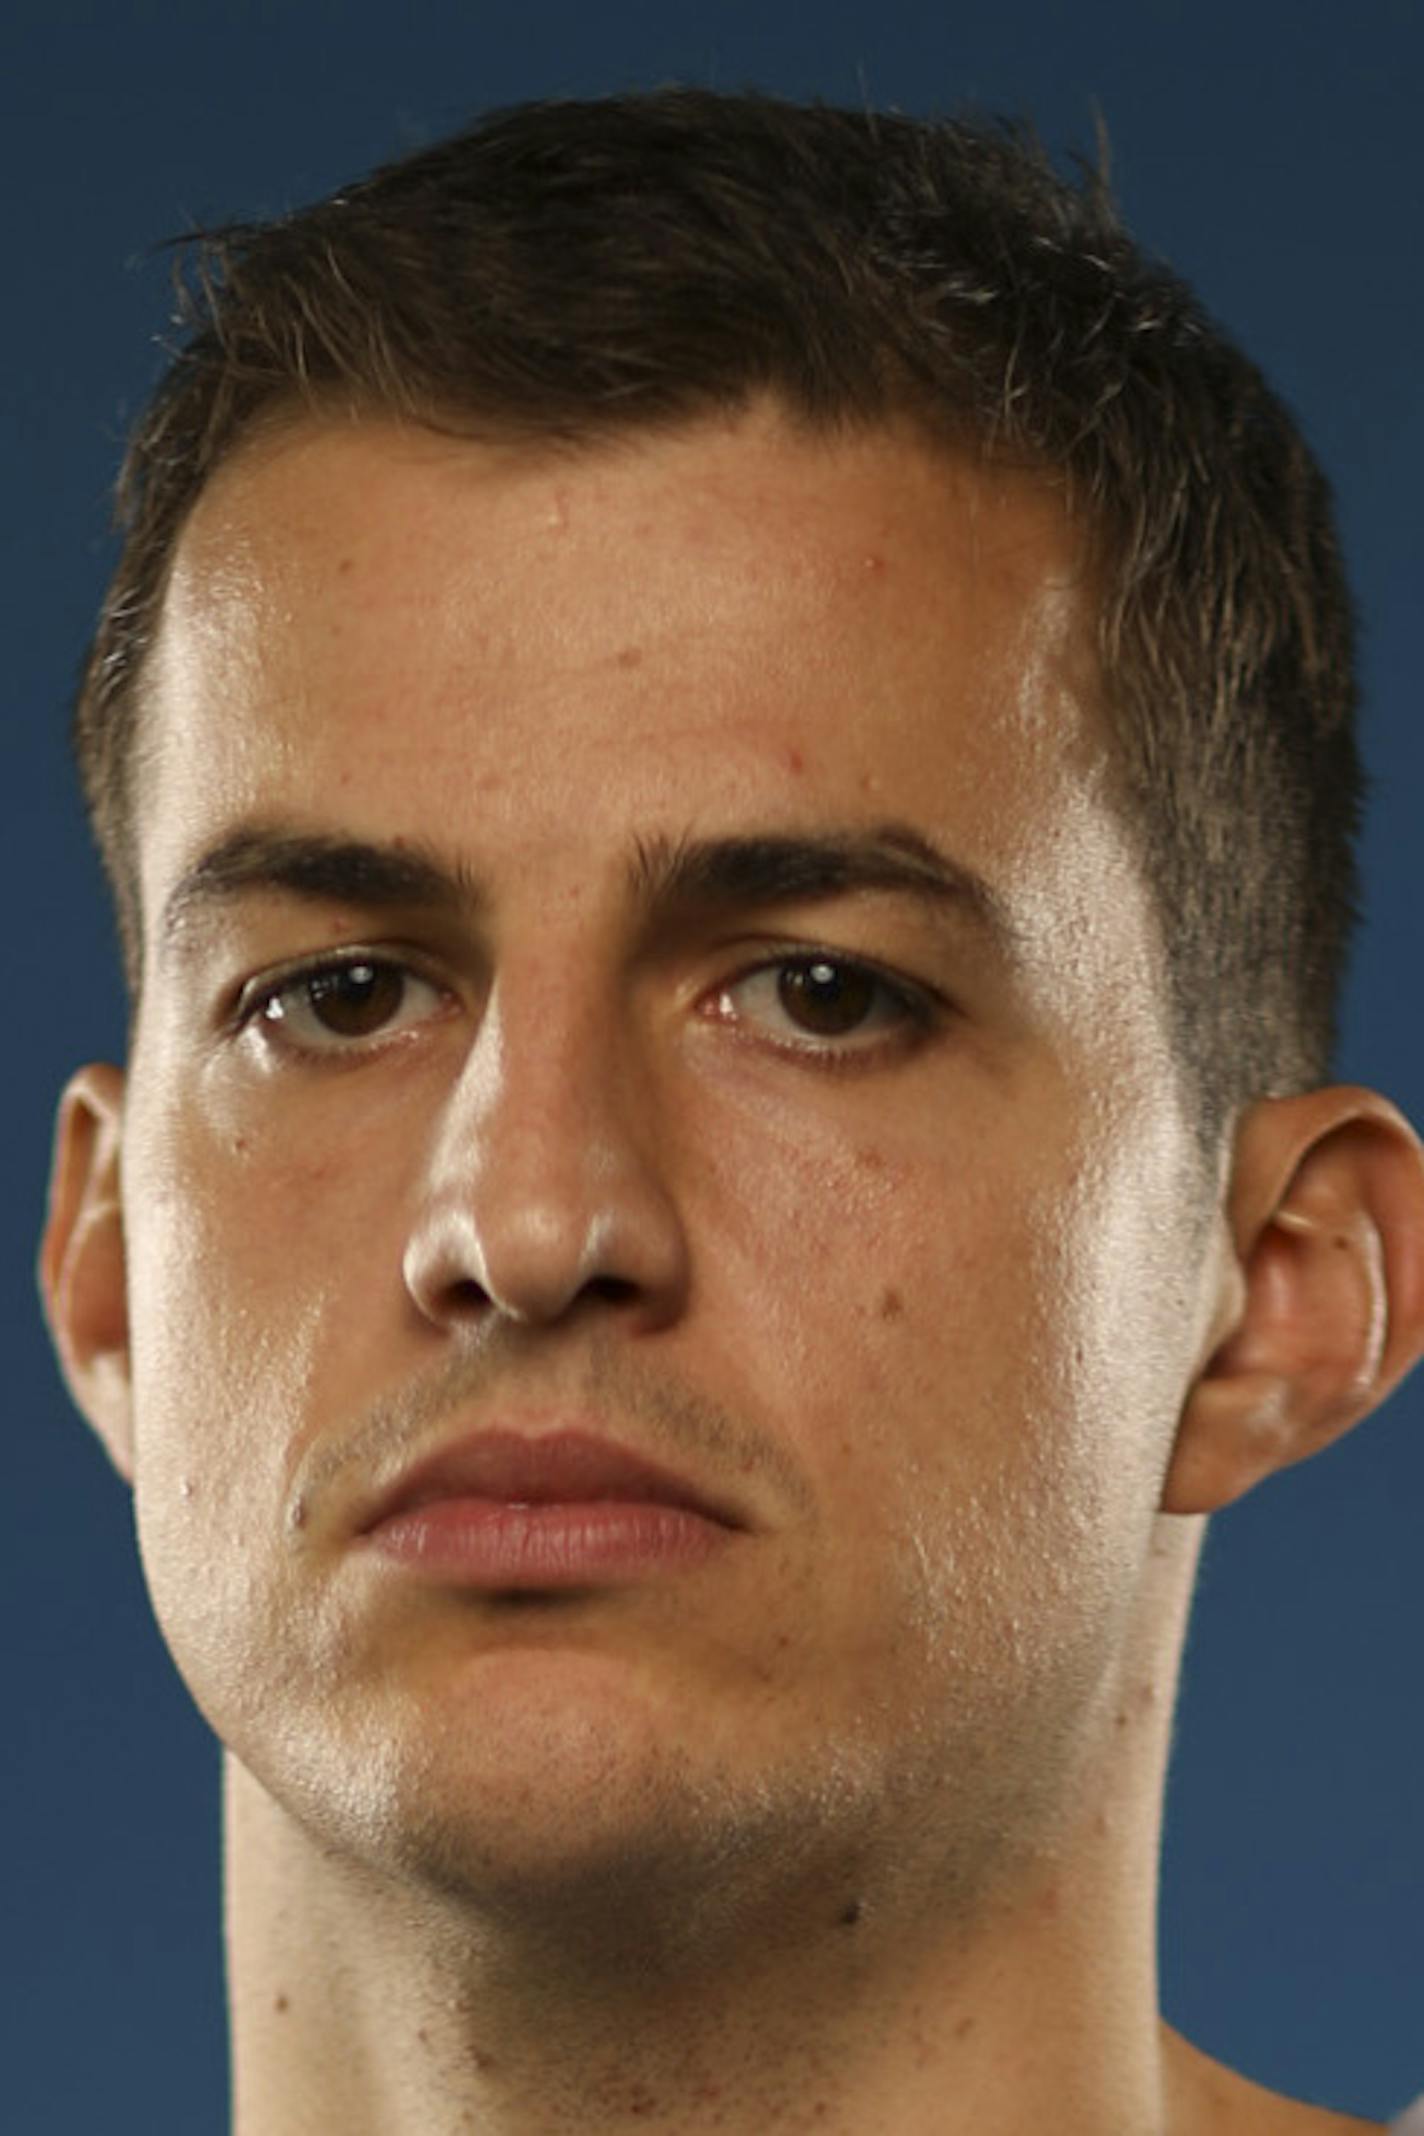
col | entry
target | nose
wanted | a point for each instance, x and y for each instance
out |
(544, 1193)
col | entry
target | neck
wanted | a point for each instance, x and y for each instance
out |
(359, 2010)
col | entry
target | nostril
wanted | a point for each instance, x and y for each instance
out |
(467, 1296)
(614, 1290)
(529, 1245)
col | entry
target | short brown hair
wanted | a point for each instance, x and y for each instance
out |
(570, 270)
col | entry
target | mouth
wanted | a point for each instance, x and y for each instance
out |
(504, 1511)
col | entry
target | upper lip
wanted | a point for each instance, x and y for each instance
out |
(555, 1468)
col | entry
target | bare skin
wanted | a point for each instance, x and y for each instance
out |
(855, 1824)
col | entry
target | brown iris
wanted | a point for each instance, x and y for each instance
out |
(355, 1000)
(828, 999)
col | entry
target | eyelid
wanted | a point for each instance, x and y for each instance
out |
(920, 1008)
(917, 1008)
(257, 994)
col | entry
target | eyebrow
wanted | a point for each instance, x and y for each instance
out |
(665, 875)
(775, 869)
(317, 867)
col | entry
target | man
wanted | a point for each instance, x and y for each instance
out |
(723, 740)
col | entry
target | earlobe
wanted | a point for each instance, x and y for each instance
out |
(82, 1265)
(1327, 1223)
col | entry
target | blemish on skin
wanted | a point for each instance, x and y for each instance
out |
(850, 1915)
(187, 1490)
(280, 2004)
(299, 1513)
(631, 656)
(346, 566)
(874, 565)
(795, 761)
(892, 1305)
(1142, 1699)
(870, 1160)
(965, 2026)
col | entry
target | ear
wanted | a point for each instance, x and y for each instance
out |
(81, 1267)
(1322, 1303)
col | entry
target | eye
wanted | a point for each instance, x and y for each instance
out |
(343, 1006)
(826, 1004)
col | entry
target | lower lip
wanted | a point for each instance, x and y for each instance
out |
(483, 1542)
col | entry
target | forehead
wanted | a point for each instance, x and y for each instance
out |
(532, 656)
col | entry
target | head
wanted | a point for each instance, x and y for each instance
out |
(674, 663)
(574, 272)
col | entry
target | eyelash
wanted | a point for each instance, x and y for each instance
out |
(914, 1011)
(261, 1002)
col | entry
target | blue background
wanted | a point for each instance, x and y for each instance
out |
(1273, 153)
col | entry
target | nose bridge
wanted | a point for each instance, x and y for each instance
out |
(546, 1082)
(544, 1183)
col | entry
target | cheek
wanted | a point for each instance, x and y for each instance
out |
(974, 1343)
(230, 1248)
(1107, 1335)
(244, 1228)
(809, 1237)
(885, 1285)
(242, 1273)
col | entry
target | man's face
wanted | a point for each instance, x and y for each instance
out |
(863, 1204)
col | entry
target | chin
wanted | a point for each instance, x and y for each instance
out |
(557, 1809)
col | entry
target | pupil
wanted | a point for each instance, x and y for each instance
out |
(355, 1000)
(829, 999)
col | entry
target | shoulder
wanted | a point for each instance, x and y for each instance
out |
(1205, 2096)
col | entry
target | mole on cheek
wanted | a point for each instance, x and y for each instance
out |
(892, 1305)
